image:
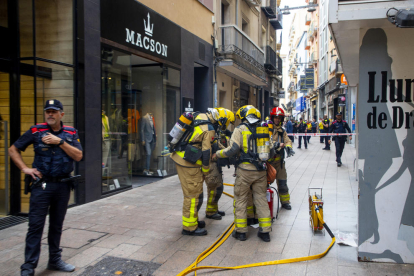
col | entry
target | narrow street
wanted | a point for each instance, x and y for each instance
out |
(144, 224)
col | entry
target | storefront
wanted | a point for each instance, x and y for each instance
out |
(117, 67)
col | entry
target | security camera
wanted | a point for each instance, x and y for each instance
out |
(401, 18)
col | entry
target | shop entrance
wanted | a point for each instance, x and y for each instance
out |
(4, 137)
(140, 103)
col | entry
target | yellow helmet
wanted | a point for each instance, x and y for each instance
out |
(230, 116)
(225, 117)
(250, 113)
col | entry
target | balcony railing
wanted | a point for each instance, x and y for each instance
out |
(279, 62)
(269, 8)
(270, 63)
(314, 57)
(236, 45)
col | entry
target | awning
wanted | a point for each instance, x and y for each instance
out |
(230, 68)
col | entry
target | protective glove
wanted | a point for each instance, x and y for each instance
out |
(289, 152)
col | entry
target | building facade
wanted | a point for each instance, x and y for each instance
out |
(377, 61)
(124, 71)
(246, 61)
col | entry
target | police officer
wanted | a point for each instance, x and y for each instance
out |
(339, 126)
(277, 161)
(214, 180)
(325, 123)
(302, 128)
(251, 175)
(56, 146)
(193, 167)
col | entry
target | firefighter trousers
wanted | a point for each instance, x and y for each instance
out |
(257, 181)
(281, 180)
(214, 182)
(192, 184)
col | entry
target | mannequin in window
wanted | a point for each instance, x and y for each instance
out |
(106, 140)
(149, 137)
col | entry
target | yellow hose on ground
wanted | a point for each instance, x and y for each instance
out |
(227, 233)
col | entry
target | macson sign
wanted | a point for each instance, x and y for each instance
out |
(400, 118)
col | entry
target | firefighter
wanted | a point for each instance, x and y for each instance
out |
(189, 156)
(325, 124)
(339, 126)
(250, 174)
(281, 141)
(214, 180)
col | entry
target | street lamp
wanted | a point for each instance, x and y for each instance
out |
(310, 7)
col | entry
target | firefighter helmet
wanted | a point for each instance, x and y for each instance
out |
(277, 111)
(214, 113)
(225, 117)
(249, 113)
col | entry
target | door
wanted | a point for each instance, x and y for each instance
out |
(4, 136)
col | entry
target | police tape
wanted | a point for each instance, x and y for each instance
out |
(321, 134)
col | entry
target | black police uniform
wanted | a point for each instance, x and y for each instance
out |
(301, 129)
(326, 130)
(339, 127)
(55, 165)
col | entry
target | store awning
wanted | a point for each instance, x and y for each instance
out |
(230, 68)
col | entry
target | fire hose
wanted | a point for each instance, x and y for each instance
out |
(193, 267)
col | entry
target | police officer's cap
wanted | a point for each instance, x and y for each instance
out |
(339, 113)
(53, 104)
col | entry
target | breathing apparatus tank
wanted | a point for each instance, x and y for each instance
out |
(271, 127)
(263, 144)
(183, 124)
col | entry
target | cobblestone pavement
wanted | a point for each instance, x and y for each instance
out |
(144, 224)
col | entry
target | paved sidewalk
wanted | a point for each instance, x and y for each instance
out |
(144, 224)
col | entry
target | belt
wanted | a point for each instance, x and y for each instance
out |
(54, 179)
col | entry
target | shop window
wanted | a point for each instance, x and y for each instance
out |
(140, 103)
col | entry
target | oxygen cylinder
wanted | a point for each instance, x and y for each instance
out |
(263, 144)
(270, 125)
(183, 123)
(270, 195)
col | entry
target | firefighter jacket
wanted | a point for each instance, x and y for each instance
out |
(279, 135)
(201, 138)
(238, 142)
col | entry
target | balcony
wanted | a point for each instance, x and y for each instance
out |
(276, 22)
(270, 63)
(279, 63)
(307, 45)
(241, 57)
(312, 31)
(269, 8)
(314, 57)
(308, 19)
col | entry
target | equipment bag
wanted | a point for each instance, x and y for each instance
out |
(192, 154)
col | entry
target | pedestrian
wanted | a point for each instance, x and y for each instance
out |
(314, 126)
(326, 123)
(289, 129)
(309, 128)
(277, 161)
(339, 126)
(56, 147)
(191, 155)
(302, 128)
(321, 130)
(295, 129)
(214, 180)
(251, 175)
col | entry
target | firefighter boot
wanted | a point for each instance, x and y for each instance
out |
(287, 206)
(198, 232)
(201, 224)
(239, 236)
(264, 236)
(221, 213)
(216, 216)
